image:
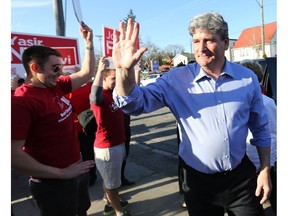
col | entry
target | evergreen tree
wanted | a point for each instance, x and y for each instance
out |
(129, 15)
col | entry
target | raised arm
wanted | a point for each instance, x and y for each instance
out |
(96, 96)
(125, 56)
(88, 66)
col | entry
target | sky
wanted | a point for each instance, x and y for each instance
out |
(161, 22)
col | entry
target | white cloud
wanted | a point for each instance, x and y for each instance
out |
(30, 3)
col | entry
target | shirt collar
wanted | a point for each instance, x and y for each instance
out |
(227, 70)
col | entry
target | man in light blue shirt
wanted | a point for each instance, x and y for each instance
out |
(215, 102)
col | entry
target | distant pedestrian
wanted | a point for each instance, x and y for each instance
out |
(15, 83)
(215, 102)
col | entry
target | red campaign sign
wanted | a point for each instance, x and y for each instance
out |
(108, 41)
(68, 48)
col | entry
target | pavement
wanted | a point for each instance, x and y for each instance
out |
(152, 164)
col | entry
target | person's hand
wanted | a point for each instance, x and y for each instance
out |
(103, 63)
(125, 54)
(264, 186)
(87, 35)
(76, 169)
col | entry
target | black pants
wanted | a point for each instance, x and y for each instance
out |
(273, 196)
(57, 197)
(212, 194)
(179, 161)
(127, 143)
(87, 151)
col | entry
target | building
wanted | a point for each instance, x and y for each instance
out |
(249, 44)
(228, 52)
(182, 58)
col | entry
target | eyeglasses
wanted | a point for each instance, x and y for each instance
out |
(57, 68)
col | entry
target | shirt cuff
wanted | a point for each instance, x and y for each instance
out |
(122, 101)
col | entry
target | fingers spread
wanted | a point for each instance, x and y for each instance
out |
(122, 31)
(115, 37)
(135, 34)
(129, 29)
(140, 52)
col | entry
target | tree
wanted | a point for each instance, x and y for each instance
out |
(173, 49)
(153, 52)
(129, 15)
(133, 17)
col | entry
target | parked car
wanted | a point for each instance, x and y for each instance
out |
(151, 78)
(270, 77)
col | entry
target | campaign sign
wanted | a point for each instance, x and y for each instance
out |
(108, 41)
(155, 65)
(68, 48)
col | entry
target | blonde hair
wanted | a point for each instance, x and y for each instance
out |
(107, 72)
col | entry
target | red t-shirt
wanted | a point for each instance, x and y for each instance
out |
(80, 101)
(43, 118)
(79, 98)
(110, 121)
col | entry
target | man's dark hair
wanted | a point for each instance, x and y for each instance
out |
(37, 54)
(20, 81)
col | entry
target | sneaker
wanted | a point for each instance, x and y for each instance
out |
(108, 210)
(126, 182)
(184, 204)
(105, 198)
(126, 213)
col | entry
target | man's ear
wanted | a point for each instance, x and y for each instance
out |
(34, 68)
(226, 41)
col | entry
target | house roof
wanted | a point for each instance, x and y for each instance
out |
(252, 36)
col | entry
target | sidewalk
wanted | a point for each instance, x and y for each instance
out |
(152, 164)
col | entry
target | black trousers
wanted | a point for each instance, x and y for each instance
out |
(57, 197)
(179, 161)
(87, 151)
(127, 143)
(273, 196)
(212, 194)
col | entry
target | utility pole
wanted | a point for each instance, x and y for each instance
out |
(262, 28)
(59, 18)
(100, 41)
